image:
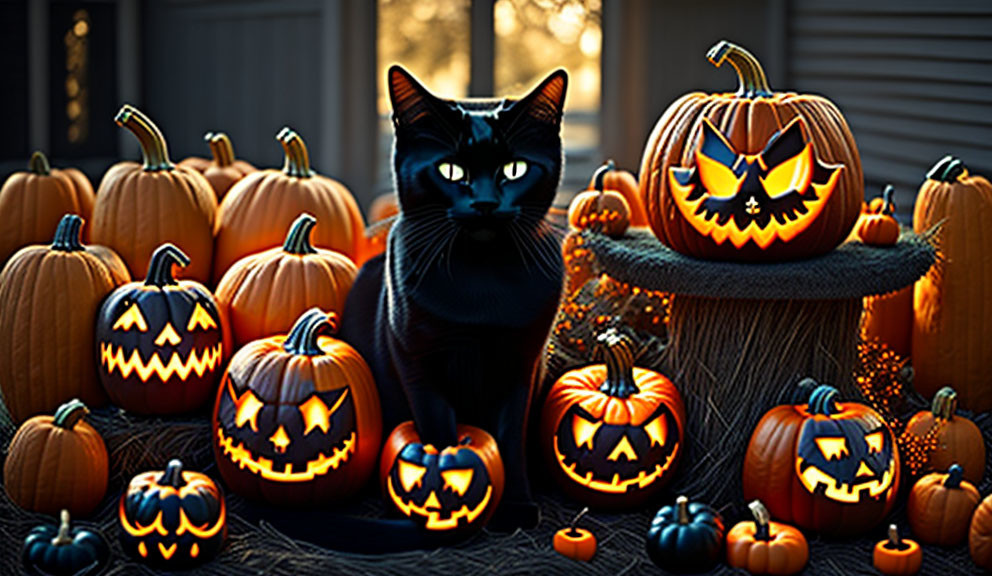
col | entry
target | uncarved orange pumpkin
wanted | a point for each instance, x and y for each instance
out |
(766, 547)
(263, 294)
(142, 206)
(953, 302)
(897, 556)
(49, 297)
(940, 507)
(33, 202)
(980, 534)
(57, 462)
(258, 209)
(747, 120)
(224, 170)
(624, 183)
(958, 439)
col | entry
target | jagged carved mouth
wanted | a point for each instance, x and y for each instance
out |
(616, 485)
(847, 492)
(431, 508)
(262, 466)
(199, 363)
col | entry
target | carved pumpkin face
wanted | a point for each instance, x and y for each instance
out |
(454, 490)
(173, 518)
(160, 342)
(769, 197)
(613, 432)
(297, 417)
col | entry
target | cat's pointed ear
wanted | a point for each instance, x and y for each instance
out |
(546, 102)
(410, 100)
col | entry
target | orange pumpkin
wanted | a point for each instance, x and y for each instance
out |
(879, 227)
(224, 170)
(888, 318)
(752, 175)
(142, 206)
(601, 209)
(626, 184)
(575, 543)
(895, 556)
(263, 294)
(940, 507)
(958, 440)
(953, 302)
(57, 462)
(766, 547)
(258, 209)
(980, 534)
(33, 202)
(613, 433)
(49, 297)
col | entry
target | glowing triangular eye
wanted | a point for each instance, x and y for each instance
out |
(132, 318)
(719, 180)
(623, 448)
(247, 410)
(450, 171)
(833, 448)
(875, 441)
(795, 174)
(200, 318)
(410, 474)
(657, 431)
(583, 431)
(458, 481)
(315, 415)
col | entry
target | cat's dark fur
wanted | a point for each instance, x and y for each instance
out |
(453, 317)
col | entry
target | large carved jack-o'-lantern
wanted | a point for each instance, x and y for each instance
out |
(826, 466)
(297, 418)
(612, 433)
(172, 518)
(452, 492)
(160, 342)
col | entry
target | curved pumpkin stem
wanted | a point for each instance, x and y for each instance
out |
(804, 389)
(298, 237)
(297, 158)
(571, 527)
(619, 360)
(954, 476)
(682, 509)
(888, 204)
(63, 538)
(38, 164)
(220, 148)
(895, 543)
(601, 173)
(823, 401)
(947, 169)
(302, 339)
(70, 413)
(152, 142)
(762, 530)
(945, 403)
(160, 266)
(173, 474)
(750, 74)
(68, 234)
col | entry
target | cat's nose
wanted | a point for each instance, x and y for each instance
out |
(485, 207)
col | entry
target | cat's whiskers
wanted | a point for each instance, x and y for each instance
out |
(433, 252)
(541, 251)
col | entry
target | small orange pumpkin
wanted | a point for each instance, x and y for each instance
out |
(895, 556)
(958, 439)
(980, 534)
(879, 227)
(766, 547)
(600, 209)
(224, 170)
(940, 507)
(57, 462)
(33, 202)
(575, 543)
(626, 184)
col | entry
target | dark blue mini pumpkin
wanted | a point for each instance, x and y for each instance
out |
(62, 551)
(686, 537)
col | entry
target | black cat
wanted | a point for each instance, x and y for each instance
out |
(453, 317)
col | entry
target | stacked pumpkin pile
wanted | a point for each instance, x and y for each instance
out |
(768, 177)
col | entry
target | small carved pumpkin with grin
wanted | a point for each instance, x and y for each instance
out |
(613, 433)
(297, 418)
(827, 466)
(452, 492)
(160, 343)
(173, 518)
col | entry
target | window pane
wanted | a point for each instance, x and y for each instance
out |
(534, 37)
(428, 37)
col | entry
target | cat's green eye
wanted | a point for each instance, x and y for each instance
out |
(451, 171)
(515, 169)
